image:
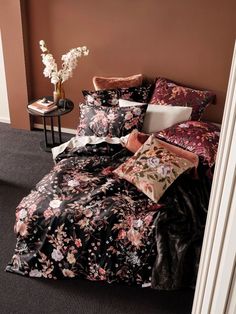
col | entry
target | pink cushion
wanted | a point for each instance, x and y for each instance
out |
(101, 82)
(135, 140)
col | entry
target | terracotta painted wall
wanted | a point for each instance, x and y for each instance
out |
(14, 60)
(189, 41)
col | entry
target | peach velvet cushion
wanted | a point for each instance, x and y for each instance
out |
(136, 139)
(100, 82)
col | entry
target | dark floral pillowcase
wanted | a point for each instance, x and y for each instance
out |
(110, 121)
(198, 137)
(167, 92)
(110, 97)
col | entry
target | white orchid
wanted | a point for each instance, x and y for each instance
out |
(70, 61)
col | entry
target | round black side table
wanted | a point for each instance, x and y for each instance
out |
(45, 145)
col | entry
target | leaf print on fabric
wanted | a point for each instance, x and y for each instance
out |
(133, 257)
(110, 121)
(110, 97)
(47, 265)
(199, 137)
(168, 93)
(100, 227)
(134, 237)
(153, 168)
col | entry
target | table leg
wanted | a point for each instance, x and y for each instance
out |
(52, 130)
(59, 129)
(45, 131)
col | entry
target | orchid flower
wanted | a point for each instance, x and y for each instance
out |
(70, 61)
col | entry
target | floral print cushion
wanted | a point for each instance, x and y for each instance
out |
(110, 121)
(167, 92)
(199, 137)
(153, 168)
(110, 97)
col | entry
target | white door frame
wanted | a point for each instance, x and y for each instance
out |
(4, 105)
(216, 276)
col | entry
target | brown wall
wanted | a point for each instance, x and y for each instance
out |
(14, 59)
(189, 41)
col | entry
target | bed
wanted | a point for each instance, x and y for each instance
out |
(94, 215)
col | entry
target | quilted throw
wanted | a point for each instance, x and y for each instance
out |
(82, 221)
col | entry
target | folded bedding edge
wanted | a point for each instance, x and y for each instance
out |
(80, 141)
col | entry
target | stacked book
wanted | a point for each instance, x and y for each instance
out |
(43, 106)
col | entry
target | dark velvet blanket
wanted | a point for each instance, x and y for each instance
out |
(82, 221)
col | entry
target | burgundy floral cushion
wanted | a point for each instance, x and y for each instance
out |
(110, 121)
(198, 137)
(167, 92)
(110, 97)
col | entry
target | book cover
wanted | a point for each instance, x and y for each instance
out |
(41, 108)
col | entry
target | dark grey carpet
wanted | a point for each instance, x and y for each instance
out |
(22, 165)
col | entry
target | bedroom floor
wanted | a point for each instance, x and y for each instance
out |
(22, 165)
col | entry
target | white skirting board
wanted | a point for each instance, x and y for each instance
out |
(64, 130)
(4, 105)
(40, 126)
(5, 120)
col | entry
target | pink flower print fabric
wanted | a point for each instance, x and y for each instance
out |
(153, 168)
(110, 121)
(168, 93)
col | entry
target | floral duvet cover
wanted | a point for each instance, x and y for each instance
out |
(81, 220)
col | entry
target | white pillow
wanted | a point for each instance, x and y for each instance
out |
(159, 117)
(128, 103)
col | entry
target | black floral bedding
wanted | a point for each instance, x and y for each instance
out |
(82, 221)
